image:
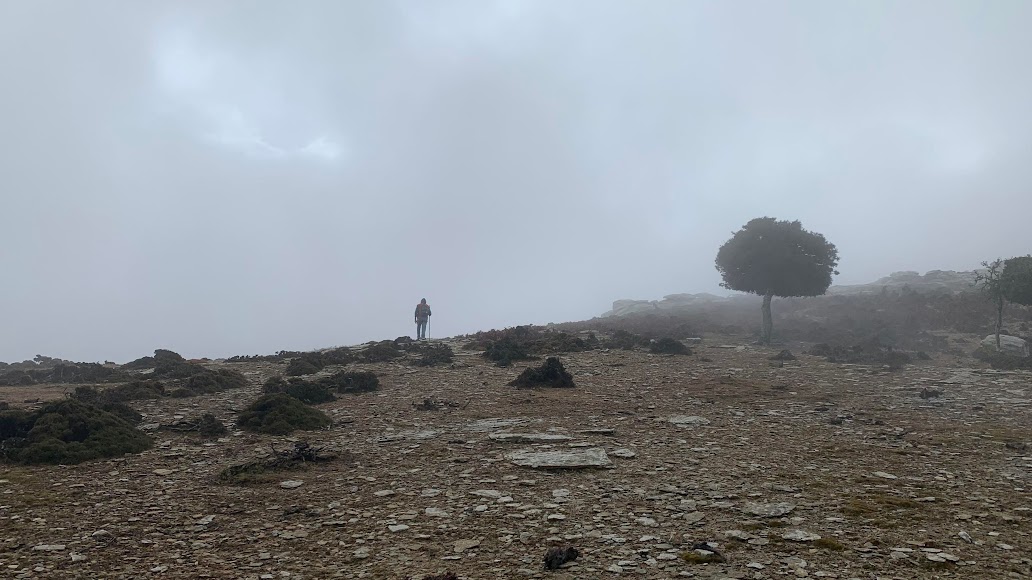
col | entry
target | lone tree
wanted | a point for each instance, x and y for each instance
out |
(990, 282)
(776, 258)
(1006, 281)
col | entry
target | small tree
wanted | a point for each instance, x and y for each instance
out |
(1005, 281)
(776, 258)
(989, 281)
(1016, 280)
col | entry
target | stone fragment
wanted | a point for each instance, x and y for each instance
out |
(688, 420)
(463, 545)
(800, 536)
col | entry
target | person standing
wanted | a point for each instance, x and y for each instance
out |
(422, 318)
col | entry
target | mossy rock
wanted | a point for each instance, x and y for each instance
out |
(67, 432)
(280, 414)
(551, 374)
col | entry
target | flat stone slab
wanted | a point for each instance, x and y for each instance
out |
(496, 423)
(572, 459)
(688, 420)
(801, 536)
(529, 437)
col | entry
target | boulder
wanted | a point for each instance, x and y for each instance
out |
(1010, 345)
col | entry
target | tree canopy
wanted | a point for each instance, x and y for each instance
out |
(1016, 280)
(777, 258)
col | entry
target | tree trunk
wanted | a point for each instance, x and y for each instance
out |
(768, 322)
(999, 322)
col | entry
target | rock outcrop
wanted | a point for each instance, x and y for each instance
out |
(1009, 345)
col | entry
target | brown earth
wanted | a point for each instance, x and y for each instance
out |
(890, 481)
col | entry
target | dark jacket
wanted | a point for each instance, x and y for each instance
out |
(422, 311)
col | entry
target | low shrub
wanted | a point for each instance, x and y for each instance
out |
(280, 414)
(352, 382)
(67, 432)
(209, 426)
(310, 392)
(551, 374)
(669, 346)
(382, 351)
(303, 365)
(625, 340)
(505, 351)
(435, 354)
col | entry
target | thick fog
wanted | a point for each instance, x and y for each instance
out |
(239, 177)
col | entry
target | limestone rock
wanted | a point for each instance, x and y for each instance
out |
(572, 459)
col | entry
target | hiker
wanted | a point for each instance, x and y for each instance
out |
(422, 318)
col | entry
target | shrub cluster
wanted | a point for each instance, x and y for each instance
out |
(551, 374)
(669, 346)
(435, 354)
(280, 414)
(67, 432)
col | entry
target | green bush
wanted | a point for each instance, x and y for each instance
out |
(383, 351)
(353, 382)
(557, 342)
(550, 374)
(67, 432)
(209, 426)
(302, 366)
(125, 412)
(505, 351)
(306, 363)
(133, 391)
(624, 340)
(436, 354)
(669, 346)
(309, 392)
(280, 414)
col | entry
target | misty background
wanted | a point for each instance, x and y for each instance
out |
(244, 177)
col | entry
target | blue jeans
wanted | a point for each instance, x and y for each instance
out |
(421, 328)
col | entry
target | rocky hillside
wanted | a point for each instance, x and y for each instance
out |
(736, 461)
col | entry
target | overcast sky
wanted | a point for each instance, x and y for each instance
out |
(240, 177)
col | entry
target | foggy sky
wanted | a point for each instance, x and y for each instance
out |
(236, 177)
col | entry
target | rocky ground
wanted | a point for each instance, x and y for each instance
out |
(810, 469)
